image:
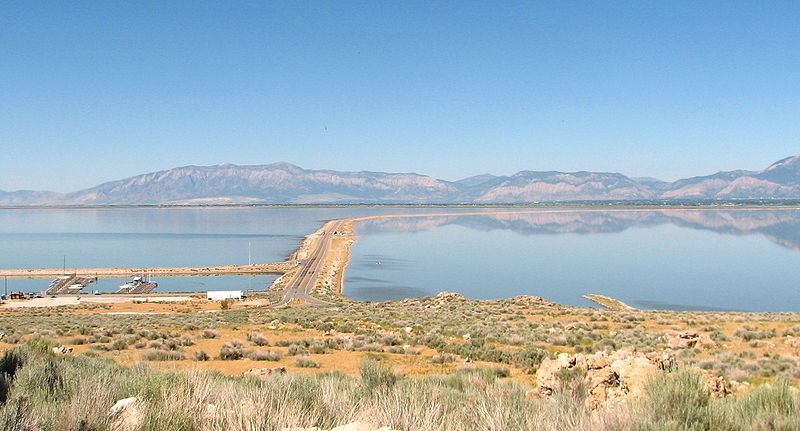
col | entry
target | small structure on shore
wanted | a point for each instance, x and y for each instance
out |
(221, 295)
(141, 284)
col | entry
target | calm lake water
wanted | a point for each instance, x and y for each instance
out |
(688, 259)
(145, 237)
(149, 237)
(703, 260)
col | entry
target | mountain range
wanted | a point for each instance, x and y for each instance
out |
(284, 183)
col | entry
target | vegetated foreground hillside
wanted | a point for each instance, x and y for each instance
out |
(441, 363)
(284, 183)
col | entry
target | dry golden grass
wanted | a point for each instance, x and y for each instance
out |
(506, 326)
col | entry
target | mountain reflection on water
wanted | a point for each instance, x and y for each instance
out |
(693, 259)
(779, 226)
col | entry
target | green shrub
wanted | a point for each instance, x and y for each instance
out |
(530, 358)
(231, 350)
(163, 355)
(12, 338)
(257, 339)
(375, 376)
(119, 344)
(767, 407)
(296, 349)
(264, 355)
(679, 401)
(209, 333)
(748, 333)
(442, 358)
(306, 363)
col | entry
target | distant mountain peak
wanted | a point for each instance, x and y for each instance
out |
(283, 165)
(783, 163)
(476, 180)
(648, 179)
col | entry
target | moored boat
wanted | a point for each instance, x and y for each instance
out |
(138, 285)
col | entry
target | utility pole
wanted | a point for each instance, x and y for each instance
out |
(249, 255)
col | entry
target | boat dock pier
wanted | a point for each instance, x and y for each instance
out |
(66, 284)
(265, 268)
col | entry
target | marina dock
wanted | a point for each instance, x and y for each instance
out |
(266, 268)
(68, 284)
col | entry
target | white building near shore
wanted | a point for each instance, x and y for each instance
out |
(221, 295)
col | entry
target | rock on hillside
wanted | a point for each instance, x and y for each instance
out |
(612, 377)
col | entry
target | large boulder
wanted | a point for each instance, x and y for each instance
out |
(688, 339)
(547, 379)
(126, 414)
(634, 372)
(62, 350)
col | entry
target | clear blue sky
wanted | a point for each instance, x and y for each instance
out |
(95, 91)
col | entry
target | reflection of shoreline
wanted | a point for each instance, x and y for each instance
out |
(782, 227)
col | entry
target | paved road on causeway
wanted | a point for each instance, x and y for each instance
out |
(305, 278)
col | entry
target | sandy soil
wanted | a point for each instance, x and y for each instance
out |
(332, 276)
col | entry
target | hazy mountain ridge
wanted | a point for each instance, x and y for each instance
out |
(529, 186)
(279, 183)
(779, 180)
(275, 183)
(28, 197)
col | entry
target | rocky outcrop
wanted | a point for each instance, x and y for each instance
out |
(531, 301)
(611, 377)
(62, 350)
(448, 296)
(688, 339)
(263, 373)
(443, 298)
